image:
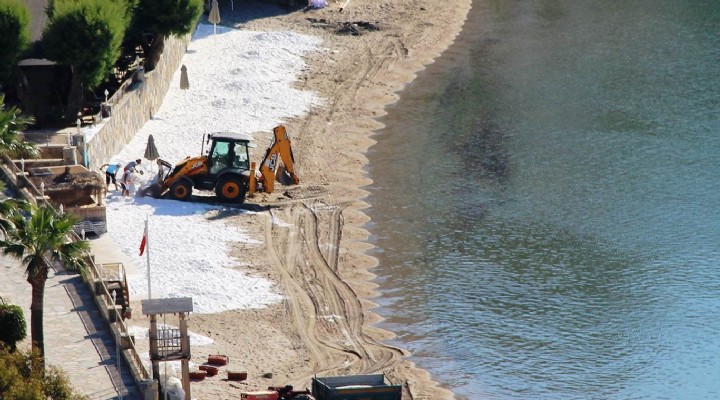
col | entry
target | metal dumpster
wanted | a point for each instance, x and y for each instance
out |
(355, 387)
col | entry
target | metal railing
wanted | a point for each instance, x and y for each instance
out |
(90, 275)
(133, 357)
(26, 184)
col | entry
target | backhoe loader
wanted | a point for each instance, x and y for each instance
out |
(227, 169)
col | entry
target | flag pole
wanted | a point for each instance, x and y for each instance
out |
(147, 255)
(145, 246)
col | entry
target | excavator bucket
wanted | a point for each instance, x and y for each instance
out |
(278, 165)
(286, 155)
(283, 176)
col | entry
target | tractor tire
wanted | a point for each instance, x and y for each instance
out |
(230, 189)
(181, 190)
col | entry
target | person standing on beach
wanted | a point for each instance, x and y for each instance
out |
(132, 164)
(127, 181)
(111, 174)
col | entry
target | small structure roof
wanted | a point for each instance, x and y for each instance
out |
(72, 188)
(78, 179)
(35, 62)
(166, 306)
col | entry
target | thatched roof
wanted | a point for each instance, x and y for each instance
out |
(77, 182)
(72, 179)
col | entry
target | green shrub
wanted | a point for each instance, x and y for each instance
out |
(86, 34)
(22, 379)
(155, 20)
(167, 17)
(14, 36)
(12, 325)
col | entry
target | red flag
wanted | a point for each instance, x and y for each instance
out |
(143, 242)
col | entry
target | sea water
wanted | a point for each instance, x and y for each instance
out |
(546, 203)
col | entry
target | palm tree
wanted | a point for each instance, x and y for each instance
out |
(12, 124)
(8, 208)
(33, 237)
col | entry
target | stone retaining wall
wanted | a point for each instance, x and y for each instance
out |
(135, 107)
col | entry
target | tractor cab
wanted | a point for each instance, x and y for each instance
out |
(229, 153)
(227, 166)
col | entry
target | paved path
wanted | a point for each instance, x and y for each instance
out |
(77, 338)
(106, 251)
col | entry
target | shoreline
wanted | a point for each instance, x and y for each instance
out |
(403, 61)
(315, 248)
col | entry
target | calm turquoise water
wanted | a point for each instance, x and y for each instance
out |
(546, 203)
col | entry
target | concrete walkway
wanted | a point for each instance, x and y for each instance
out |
(77, 338)
(106, 251)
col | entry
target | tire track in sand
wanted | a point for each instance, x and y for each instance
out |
(303, 243)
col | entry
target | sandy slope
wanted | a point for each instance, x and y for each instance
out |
(313, 236)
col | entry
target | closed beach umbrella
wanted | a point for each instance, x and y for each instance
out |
(151, 152)
(184, 82)
(214, 17)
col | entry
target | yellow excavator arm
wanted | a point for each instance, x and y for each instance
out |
(281, 148)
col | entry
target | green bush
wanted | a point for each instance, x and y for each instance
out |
(167, 17)
(86, 34)
(22, 379)
(157, 19)
(14, 36)
(13, 327)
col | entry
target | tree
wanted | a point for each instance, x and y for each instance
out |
(12, 325)
(8, 208)
(157, 19)
(87, 35)
(14, 37)
(22, 379)
(12, 124)
(31, 239)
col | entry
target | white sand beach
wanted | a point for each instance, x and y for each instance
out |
(287, 290)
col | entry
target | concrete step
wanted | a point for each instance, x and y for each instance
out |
(44, 137)
(51, 150)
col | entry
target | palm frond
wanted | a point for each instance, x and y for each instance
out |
(12, 126)
(43, 232)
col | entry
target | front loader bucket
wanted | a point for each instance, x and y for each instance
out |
(154, 190)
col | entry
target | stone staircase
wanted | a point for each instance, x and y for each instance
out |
(57, 147)
(119, 290)
(114, 279)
